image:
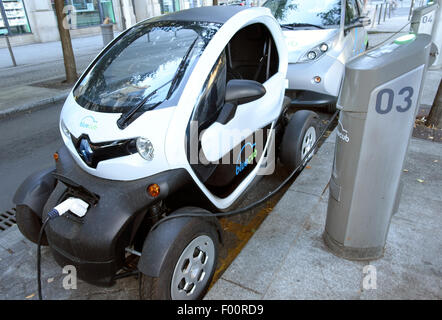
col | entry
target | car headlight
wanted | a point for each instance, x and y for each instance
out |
(316, 52)
(65, 130)
(145, 148)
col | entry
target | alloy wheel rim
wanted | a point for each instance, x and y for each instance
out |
(193, 269)
(307, 144)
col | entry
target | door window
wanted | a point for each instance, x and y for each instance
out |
(252, 55)
(212, 96)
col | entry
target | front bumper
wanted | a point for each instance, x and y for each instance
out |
(331, 71)
(310, 99)
(95, 243)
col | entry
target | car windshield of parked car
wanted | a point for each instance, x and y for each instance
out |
(321, 13)
(144, 66)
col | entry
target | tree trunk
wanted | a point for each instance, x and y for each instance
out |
(66, 44)
(435, 116)
(215, 2)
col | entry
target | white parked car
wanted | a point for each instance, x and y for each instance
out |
(179, 115)
(321, 35)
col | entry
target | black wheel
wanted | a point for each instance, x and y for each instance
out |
(189, 267)
(29, 224)
(299, 137)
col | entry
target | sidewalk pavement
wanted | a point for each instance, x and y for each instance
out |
(37, 79)
(395, 21)
(37, 53)
(287, 259)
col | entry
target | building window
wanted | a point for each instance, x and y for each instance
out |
(169, 6)
(13, 18)
(89, 13)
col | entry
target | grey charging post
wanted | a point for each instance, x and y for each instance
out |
(378, 103)
(423, 19)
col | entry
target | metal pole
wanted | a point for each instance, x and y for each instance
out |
(380, 14)
(389, 12)
(385, 11)
(123, 19)
(374, 16)
(10, 50)
(411, 10)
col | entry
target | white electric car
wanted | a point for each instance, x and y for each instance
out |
(180, 114)
(321, 35)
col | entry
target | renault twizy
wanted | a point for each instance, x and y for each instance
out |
(180, 113)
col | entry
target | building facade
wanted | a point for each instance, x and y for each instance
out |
(33, 21)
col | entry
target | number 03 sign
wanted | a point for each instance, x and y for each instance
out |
(397, 99)
(391, 114)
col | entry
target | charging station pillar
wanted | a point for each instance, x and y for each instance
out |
(378, 103)
(423, 19)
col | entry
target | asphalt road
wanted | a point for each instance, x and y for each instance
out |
(27, 142)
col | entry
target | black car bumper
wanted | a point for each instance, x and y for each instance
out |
(302, 98)
(95, 243)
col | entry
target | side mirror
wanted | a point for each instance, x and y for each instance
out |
(239, 92)
(243, 91)
(364, 20)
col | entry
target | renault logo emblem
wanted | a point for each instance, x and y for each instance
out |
(85, 150)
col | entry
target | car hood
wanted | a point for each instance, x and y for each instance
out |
(300, 41)
(101, 127)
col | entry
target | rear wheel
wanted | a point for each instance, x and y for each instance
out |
(189, 267)
(307, 143)
(299, 138)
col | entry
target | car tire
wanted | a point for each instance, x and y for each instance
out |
(29, 224)
(189, 267)
(299, 137)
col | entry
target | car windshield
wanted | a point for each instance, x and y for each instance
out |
(322, 13)
(144, 66)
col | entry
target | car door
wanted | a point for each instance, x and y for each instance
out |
(354, 37)
(230, 149)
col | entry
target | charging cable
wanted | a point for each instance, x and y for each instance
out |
(74, 205)
(79, 207)
(259, 202)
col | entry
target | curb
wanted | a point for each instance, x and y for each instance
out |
(33, 106)
(309, 188)
(377, 31)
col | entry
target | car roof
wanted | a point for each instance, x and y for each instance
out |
(217, 14)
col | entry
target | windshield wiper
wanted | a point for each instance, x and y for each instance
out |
(121, 122)
(179, 70)
(297, 25)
